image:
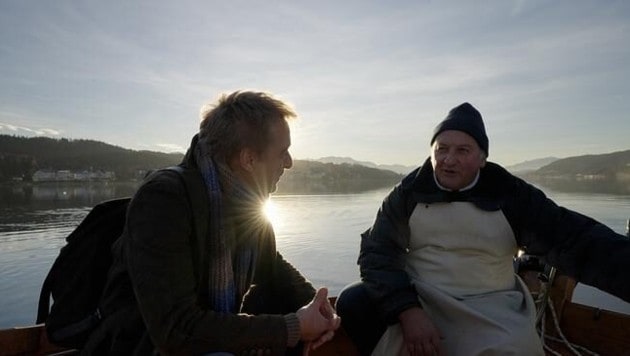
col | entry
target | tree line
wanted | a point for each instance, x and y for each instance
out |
(22, 156)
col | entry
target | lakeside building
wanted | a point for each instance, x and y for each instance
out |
(72, 176)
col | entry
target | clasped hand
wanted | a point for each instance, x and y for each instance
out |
(318, 321)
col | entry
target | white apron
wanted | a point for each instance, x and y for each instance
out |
(460, 262)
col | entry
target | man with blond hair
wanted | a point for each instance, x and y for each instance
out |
(234, 293)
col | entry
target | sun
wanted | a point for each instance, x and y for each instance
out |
(270, 210)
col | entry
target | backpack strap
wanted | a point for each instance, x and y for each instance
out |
(199, 205)
(43, 306)
(197, 197)
(113, 210)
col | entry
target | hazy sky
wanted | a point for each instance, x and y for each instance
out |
(369, 79)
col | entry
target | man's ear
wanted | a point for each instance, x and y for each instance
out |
(247, 159)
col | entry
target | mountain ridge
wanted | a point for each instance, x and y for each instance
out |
(398, 168)
(610, 165)
(20, 156)
(531, 165)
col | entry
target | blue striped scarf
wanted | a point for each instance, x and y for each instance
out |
(231, 262)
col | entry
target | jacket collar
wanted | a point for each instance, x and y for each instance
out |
(189, 160)
(425, 190)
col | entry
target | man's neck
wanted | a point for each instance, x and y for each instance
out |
(468, 187)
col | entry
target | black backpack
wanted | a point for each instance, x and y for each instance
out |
(77, 277)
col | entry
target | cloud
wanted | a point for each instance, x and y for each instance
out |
(362, 75)
(170, 148)
(22, 130)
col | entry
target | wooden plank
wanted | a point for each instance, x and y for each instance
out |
(29, 340)
(601, 331)
(340, 345)
(32, 340)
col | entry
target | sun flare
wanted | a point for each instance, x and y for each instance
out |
(271, 212)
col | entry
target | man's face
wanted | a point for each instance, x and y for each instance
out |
(272, 162)
(456, 158)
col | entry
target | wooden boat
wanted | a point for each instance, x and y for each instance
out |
(569, 328)
(566, 327)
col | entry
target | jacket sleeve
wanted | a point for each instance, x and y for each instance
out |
(279, 288)
(577, 245)
(159, 257)
(381, 259)
(296, 290)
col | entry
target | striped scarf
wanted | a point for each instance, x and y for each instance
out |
(231, 260)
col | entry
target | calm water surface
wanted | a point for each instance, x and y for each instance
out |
(319, 234)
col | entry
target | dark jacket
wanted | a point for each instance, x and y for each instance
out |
(576, 244)
(157, 291)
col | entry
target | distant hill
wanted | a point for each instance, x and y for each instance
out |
(604, 173)
(316, 177)
(398, 168)
(531, 165)
(22, 156)
(615, 165)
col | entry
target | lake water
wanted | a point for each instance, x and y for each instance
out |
(319, 234)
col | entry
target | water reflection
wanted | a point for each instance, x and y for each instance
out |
(612, 210)
(601, 186)
(318, 233)
(62, 195)
(340, 186)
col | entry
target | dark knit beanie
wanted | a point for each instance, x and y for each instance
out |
(467, 119)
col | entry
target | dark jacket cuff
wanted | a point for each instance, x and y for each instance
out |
(396, 303)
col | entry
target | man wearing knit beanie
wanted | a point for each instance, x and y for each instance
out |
(459, 148)
(436, 266)
(467, 119)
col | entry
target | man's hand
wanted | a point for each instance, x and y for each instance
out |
(420, 336)
(318, 320)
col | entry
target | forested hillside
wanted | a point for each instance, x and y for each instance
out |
(610, 165)
(20, 157)
(606, 173)
(318, 177)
